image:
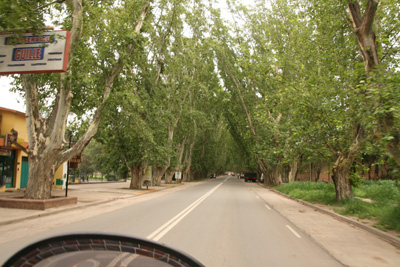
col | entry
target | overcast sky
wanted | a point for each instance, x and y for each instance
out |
(8, 99)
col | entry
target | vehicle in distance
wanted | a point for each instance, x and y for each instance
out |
(250, 176)
(213, 176)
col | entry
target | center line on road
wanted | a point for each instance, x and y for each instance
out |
(117, 259)
(164, 229)
(293, 231)
(267, 206)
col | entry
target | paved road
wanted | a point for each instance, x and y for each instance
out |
(220, 222)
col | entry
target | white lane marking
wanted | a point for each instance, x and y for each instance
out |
(129, 260)
(293, 231)
(165, 228)
(267, 206)
(117, 259)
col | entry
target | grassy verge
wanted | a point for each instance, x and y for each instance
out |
(375, 200)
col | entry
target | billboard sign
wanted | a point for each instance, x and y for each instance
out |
(30, 53)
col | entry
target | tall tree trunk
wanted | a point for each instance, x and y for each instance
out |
(275, 176)
(168, 176)
(294, 167)
(341, 179)
(40, 188)
(264, 169)
(189, 153)
(137, 172)
(180, 148)
(318, 170)
(188, 161)
(171, 129)
(363, 28)
(342, 167)
(158, 174)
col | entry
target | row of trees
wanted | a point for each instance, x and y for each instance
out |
(317, 81)
(137, 72)
(172, 84)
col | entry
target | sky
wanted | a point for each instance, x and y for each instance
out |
(9, 99)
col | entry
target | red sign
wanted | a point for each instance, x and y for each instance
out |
(73, 165)
(76, 159)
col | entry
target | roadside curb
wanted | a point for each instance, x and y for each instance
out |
(69, 208)
(385, 236)
(105, 182)
(146, 192)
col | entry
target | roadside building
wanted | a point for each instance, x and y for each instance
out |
(14, 166)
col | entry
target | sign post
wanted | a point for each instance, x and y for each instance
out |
(178, 175)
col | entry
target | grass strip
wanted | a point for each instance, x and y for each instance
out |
(376, 200)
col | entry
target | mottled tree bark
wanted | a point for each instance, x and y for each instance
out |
(158, 174)
(137, 172)
(342, 167)
(362, 25)
(294, 166)
(272, 178)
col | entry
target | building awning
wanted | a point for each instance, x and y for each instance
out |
(11, 146)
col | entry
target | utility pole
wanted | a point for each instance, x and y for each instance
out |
(66, 185)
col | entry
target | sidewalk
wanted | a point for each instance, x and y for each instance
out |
(348, 241)
(88, 194)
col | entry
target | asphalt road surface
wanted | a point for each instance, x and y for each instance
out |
(220, 223)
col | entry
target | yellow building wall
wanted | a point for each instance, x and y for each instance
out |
(58, 176)
(11, 119)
